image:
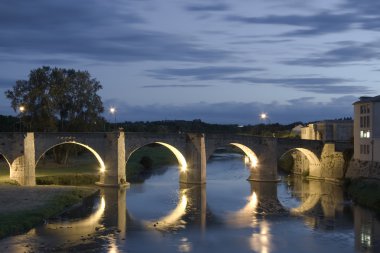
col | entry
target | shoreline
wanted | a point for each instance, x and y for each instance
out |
(23, 208)
(365, 192)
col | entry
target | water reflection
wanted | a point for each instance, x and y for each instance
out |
(296, 215)
(70, 230)
(261, 240)
(321, 204)
(367, 230)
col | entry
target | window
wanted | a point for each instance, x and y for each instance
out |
(364, 109)
(365, 134)
(364, 149)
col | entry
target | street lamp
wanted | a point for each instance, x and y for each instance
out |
(113, 111)
(22, 110)
(263, 116)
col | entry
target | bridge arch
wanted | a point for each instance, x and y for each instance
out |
(251, 157)
(314, 163)
(102, 166)
(176, 152)
(8, 166)
(6, 160)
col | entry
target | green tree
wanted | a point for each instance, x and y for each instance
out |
(58, 99)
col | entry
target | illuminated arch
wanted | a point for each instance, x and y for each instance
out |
(314, 162)
(102, 166)
(180, 158)
(7, 161)
(252, 157)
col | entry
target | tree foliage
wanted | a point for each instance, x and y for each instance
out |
(58, 99)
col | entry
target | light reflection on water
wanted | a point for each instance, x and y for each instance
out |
(228, 214)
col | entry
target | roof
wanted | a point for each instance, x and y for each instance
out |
(368, 100)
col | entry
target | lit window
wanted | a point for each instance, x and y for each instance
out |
(365, 134)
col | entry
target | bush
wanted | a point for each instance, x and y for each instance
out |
(365, 192)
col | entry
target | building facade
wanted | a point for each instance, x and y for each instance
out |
(328, 130)
(367, 129)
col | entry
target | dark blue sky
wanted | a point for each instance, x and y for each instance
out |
(219, 61)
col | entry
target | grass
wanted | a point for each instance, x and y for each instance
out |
(21, 221)
(365, 192)
(68, 179)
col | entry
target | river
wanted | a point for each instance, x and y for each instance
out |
(229, 214)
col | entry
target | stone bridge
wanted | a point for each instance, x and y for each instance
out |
(112, 150)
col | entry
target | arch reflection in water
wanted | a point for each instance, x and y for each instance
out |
(321, 203)
(262, 201)
(72, 230)
(191, 202)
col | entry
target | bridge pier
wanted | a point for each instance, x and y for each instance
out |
(113, 175)
(266, 169)
(195, 154)
(23, 166)
(197, 205)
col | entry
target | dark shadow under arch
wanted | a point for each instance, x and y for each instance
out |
(102, 166)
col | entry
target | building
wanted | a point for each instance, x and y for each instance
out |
(296, 131)
(328, 130)
(367, 129)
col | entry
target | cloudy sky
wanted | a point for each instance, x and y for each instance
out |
(221, 61)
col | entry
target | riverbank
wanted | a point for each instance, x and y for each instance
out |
(23, 207)
(365, 192)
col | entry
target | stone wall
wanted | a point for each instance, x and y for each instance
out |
(331, 163)
(367, 169)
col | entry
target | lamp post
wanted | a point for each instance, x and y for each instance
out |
(22, 110)
(264, 117)
(113, 111)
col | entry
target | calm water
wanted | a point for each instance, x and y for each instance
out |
(229, 214)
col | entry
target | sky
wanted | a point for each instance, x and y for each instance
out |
(221, 61)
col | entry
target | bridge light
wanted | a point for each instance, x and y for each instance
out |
(183, 168)
(181, 159)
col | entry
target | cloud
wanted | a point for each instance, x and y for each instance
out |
(177, 86)
(364, 7)
(229, 74)
(108, 31)
(207, 7)
(302, 109)
(347, 53)
(321, 85)
(317, 24)
(201, 73)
